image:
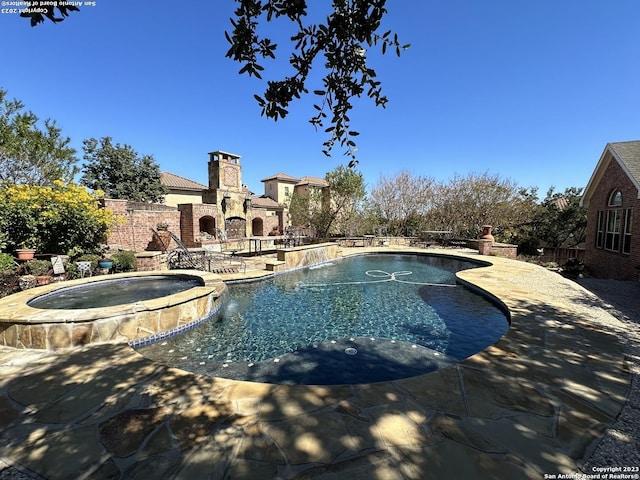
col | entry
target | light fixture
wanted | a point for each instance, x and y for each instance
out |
(226, 201)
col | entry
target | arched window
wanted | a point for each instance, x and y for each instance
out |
(615, 199)
(614, 225)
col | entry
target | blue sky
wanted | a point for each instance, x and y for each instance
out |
(531, 91)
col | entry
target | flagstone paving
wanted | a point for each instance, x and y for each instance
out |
(534, 403)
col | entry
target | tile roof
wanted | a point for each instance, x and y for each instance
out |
(176, 182)
(315, 181)
(281, 176)
(263, 201)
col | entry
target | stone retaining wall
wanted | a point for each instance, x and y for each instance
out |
(487, 247)
(302, 256)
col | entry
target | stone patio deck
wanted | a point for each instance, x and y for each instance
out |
(535, 403)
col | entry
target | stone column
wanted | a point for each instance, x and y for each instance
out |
(486, 241)
(484, 246)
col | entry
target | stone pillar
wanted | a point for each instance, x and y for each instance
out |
(484, 246)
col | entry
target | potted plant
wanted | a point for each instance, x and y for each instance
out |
(26, 250)
(162, 234)
(39, 269)
(105, 262)
(8, 265)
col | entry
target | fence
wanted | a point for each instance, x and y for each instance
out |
(560, 255)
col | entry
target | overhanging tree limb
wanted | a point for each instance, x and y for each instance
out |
(339, 42)
(342, 40)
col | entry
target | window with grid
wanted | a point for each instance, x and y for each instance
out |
(626, 238)
(612, 232)
(600, 230)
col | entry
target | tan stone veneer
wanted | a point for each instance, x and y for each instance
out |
(304, 255)
(23, 326)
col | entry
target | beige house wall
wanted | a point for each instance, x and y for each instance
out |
(176, 198)
(278, 191)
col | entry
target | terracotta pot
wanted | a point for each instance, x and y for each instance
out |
(165, 238)
(25, 253)
(486, 233)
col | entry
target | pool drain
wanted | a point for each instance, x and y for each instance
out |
(350, 351)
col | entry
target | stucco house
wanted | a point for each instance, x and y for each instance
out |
(181, 190)
(200, 214)
(612, 199)
(280, 187)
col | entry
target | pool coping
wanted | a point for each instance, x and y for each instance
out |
(536, 402)
(24, 326)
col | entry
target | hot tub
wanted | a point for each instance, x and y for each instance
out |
(23, 324)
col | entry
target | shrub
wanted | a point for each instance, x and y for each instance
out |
(55, 218)
(574, 267)
(71, 266)
(37, 267)
(90, 257)
(527, 246)
(124, 261)
(8, 264)
(71, 270)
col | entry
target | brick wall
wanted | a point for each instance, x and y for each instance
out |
(261, 215)
(148, 261)
(135, 219)
(190, 215)
(603, 263)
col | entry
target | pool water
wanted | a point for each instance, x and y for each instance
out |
(111, 292)
(359, 319)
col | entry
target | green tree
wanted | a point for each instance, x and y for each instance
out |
(330, 209)
(54, 218)
(120, 173)
(339, 44)
(561, 221)
(29, 154)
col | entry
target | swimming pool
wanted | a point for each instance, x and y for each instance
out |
(355, 320)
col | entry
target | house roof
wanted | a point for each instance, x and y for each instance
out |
(560, 203)
(627, 155)
(283, 177)
(263, 201)
(313, 181)
(176, 182)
